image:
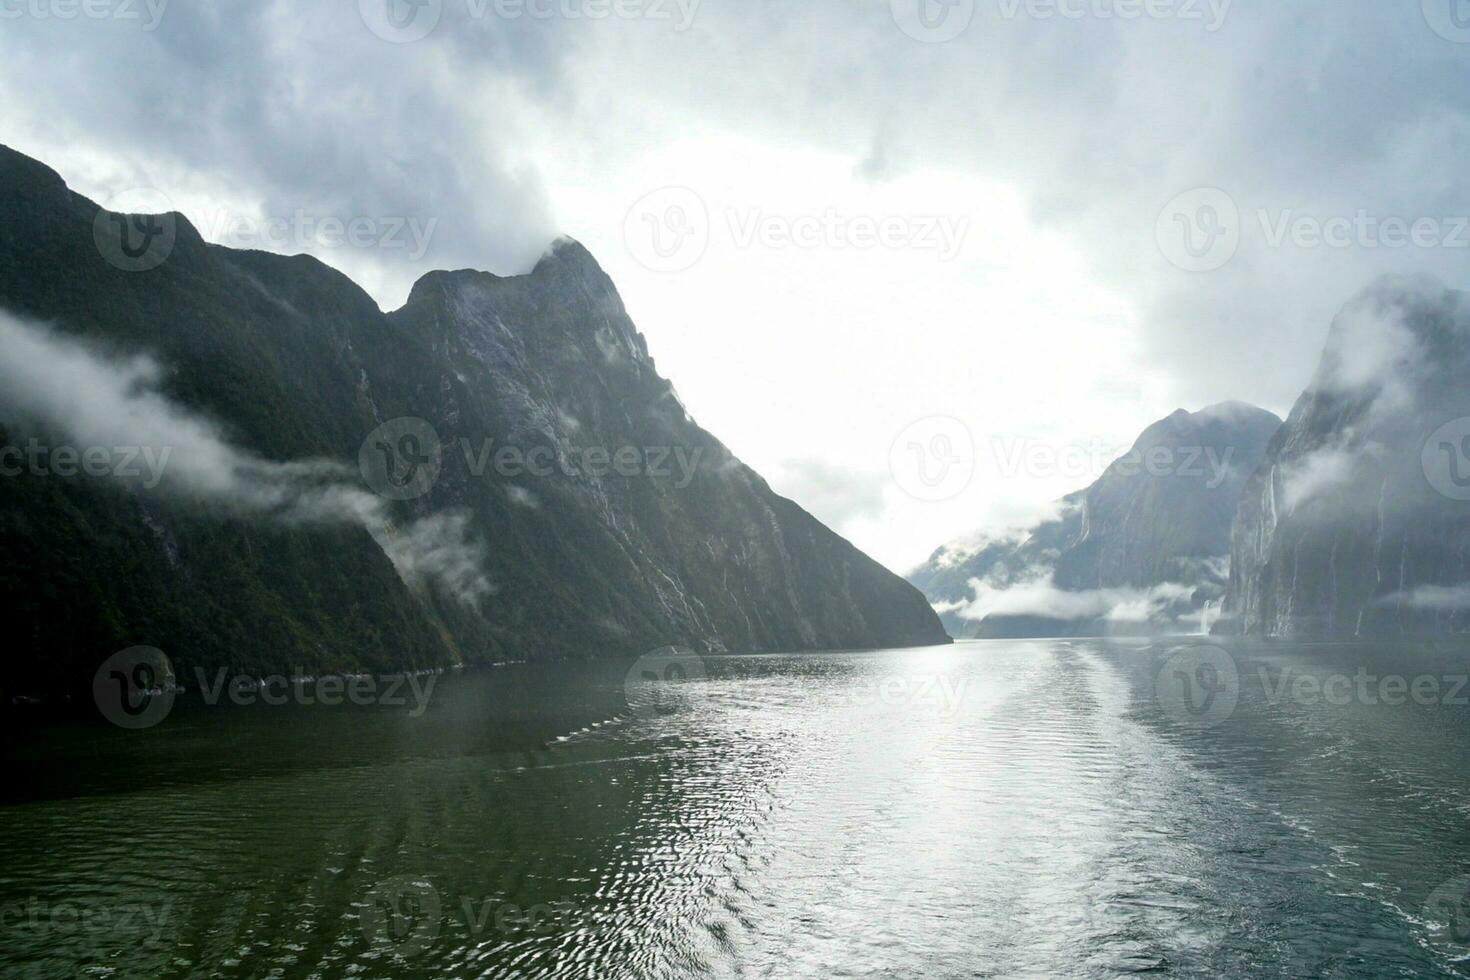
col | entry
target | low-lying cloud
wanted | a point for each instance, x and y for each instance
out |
(1039, 596)
(79, 394)
(1433, 598)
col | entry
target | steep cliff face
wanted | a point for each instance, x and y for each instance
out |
(571, 507)
(1358, 522)
(1143, 548)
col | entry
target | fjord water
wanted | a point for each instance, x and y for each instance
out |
(992, 809)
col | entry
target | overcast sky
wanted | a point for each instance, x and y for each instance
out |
(862, 236)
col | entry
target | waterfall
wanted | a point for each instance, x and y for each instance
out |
(1208, 615)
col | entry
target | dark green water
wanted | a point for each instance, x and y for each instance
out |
(995, 809)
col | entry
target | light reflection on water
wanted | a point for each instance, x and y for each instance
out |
(992, 809)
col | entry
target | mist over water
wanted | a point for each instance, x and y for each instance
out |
(996, 809)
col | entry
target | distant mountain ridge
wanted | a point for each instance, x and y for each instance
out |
(1144, 548)
(288, 360)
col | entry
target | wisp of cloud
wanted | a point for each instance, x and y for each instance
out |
(70, 390)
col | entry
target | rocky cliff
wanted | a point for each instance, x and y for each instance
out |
(1358, 522)
(496, 471)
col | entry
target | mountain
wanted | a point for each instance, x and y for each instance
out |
(1144, 548)
(494, 472)
(1358, 522)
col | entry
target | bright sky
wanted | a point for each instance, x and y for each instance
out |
(873, 255)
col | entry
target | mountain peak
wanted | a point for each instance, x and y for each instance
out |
(1234, 410)
(566, 252)
(568, 262)
(565, 262)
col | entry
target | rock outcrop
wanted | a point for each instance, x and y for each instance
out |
(1358, 522)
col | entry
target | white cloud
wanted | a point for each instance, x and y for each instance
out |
(1318, 474)
(66, 389)
(1436, 598)
(1038, 595)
